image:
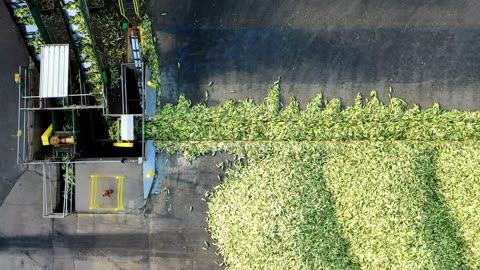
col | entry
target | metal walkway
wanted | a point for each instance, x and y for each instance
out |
(130, 9)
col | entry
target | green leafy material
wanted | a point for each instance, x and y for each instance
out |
(277, 214)
(149, 53)
(73, 5)
(23, 11)
(374, 121)
(46, 4)
(23, 15)
(95, 3)
(114, 130)
(27, 20)
(368, 186)
(86, 47)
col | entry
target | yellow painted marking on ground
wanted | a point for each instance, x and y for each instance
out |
(94, 192)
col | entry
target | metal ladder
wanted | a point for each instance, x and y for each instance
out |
(129, 9)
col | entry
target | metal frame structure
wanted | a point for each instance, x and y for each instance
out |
(24, 86)
(58, 201)
(50, 182)
(34, 102)
(126, 8)
(142, 84)
(28, 104)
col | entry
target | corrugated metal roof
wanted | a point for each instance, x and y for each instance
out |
(54, 70)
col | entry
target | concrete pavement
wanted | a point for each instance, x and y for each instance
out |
(170, 234)
(22, 226)
(131, 193)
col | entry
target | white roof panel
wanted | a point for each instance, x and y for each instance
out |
(54, 70)
(126, 127)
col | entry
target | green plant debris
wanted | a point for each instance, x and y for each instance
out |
(350, 205)
(73, 5)
(22, 12)
(383, 201)
(114, 76)
(46, 4)
(267, 121)
(111, 45)
(95, 3)
(111, 38)
(114, 130)
(24, 17)
(277, 214)
(27, 20)
(150, 54)
(69, 175)
(368, 186)
(35, 42)
(86, 48)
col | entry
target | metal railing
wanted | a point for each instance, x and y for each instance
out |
(121, 6)
(124, 91)
(123, 11)
(24, 83)
(136, 6)
(28, 100)
(58, 203)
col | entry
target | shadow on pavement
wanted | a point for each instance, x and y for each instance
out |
(246, 56)
(177, 244)
(260, 55)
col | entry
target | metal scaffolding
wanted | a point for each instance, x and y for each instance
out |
(57, 202)
(31, 100)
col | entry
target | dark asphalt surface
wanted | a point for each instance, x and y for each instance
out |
(426, 50)
(182, 211)
(13, 54)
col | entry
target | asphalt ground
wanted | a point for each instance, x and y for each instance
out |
(13, 53)
(426, 50)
